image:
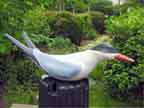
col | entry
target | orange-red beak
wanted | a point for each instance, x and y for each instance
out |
(124, 58)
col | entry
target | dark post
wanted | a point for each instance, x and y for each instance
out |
(55, 93)
(142, 1)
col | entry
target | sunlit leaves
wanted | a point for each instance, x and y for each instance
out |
(128, 36)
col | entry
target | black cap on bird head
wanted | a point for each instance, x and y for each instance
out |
(105, 47)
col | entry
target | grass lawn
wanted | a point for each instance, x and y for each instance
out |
(99, 97)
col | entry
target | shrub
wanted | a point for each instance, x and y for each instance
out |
(119, 9)
(60, 43)
(104, 6)
(128, 37)
(22, 72)
(98, 20)
(10, 16)
(91, 34)
(91, 23)
(36, 22)
(65, 24)
(52, 43)
(76, 6)
(85, 23)
(5, 46)
(40, 40)
(52, 24)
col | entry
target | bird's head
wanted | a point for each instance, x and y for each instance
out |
(106, 51)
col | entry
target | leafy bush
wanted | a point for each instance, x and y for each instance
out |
(85, 23)
(65, 24)
(35, 21)
(104, 6)
(98, 20)
(91, 34)
(16, 73)
(11, 14)
(60, 43)
(128, 38)
(76, 6)
(39, 21)
(53, 43)
(11, 20)
(22, 72)
(5, 46)
(91, 23)
(21, 95)
(119, 9)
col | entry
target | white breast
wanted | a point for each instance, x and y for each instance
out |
(86, 60)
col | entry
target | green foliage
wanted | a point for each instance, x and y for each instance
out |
(73, 26)
(127, 24)
(85, 23)
(49, 4)
(76, 6)
(97, 73)
(98, 20)
(119, 9)
(21, 72)
(35, 21)
(11, 14)
(38, 21)
(91, 34)
(91, 23)
(53, 43)
(104, 6)
(99, 96)
(67, 26)
(40, 39)
(128, 37)
(60, 43)
(21, 95)
(11, 20)
(5, 46)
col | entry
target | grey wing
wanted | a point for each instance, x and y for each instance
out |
(57, 68)
(62, 70)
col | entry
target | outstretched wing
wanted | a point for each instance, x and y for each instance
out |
(56, 68)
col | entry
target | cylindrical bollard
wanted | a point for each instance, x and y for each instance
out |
(55, 93)
(142, 1)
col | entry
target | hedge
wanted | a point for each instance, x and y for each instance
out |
(128, 38)
(64, 24)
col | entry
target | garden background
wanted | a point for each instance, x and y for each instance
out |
(66, 26)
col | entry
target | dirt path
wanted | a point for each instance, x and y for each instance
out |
(23, 106)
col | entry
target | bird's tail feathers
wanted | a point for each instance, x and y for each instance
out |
(28, 40)
(25, 49)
